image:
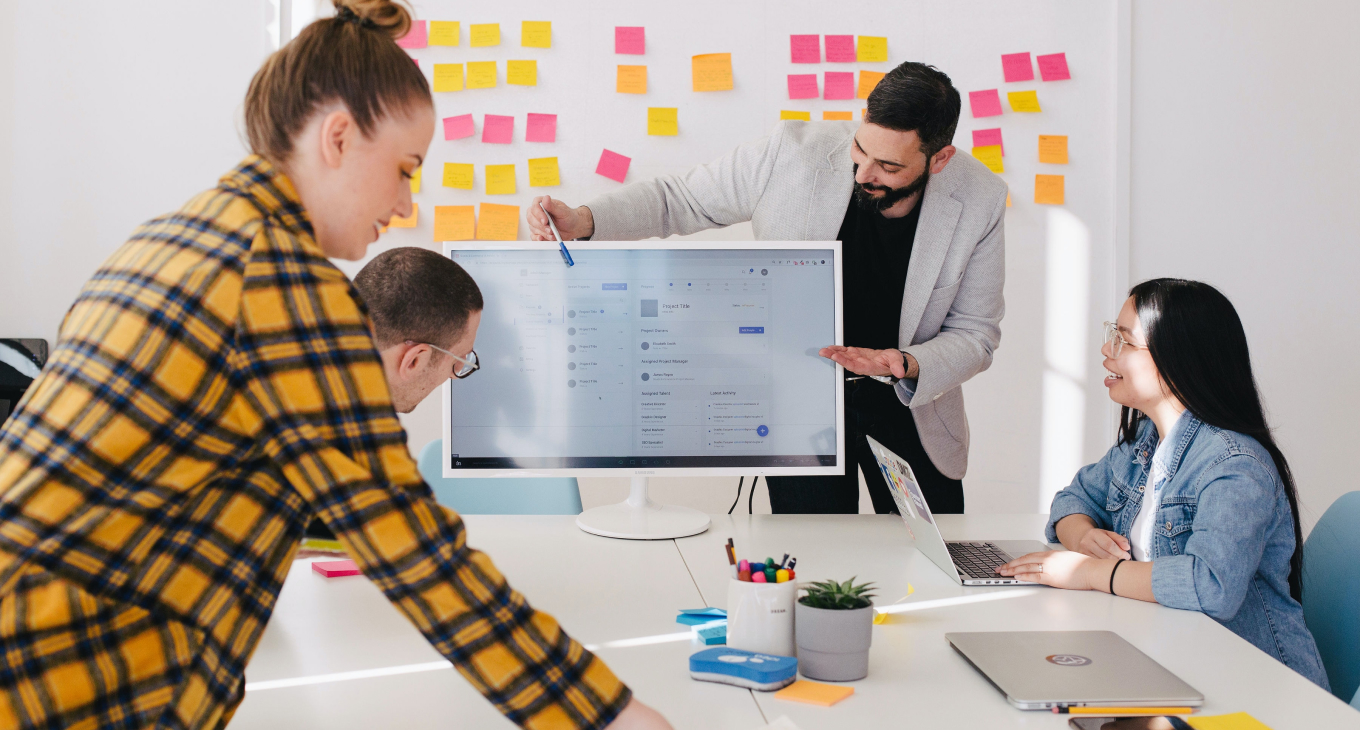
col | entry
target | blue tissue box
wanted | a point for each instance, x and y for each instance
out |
(743, 668)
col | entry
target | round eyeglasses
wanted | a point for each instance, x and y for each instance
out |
(466, 365)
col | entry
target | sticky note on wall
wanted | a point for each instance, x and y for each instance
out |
(485, 34)
(613, 165)
(985, 103)
(712, 72)
(632, 80)
(481, 75)
(984, 137)
(840, 49)
(444, 32)
(1017, 67)
(521, 73)
(535, 34)
(838, 85)
(497, 222)
(867, 81)
(543, 172)
(631, 40)
(990, 155)
(805, 48)
(416, 37)
(1024, 101)
(415, 180)
(458, 175)
(498, 129)
(500, 179)
(454, 223)
(541, 128)
(871, 49)
(1053, 67)
(837, 116)
(663, 121)
(802, 86)
(1048, 189)
(1053, 149)
(407, 222)
(459, 127)
(448, 77)
(795, 116)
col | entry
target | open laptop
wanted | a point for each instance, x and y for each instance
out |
(969, 563)
(1040, 670)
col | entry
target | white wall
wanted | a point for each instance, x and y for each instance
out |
(1246, 174)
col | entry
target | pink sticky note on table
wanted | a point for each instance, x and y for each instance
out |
(1053, 67)
(416, 37)
(802, 86)
(841, 85)
(1017, 67)
(985, 103)
(498, 129)
(613, 165)
(987, 137)
(805, 48)
(459, 127)
(840, 49)
(630, 39)
(335, 568)
(542, 128)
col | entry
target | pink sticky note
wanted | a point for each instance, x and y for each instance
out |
(1053, 67)
(806, 48)
(840, 85)
(630, 39)
(498, 129)
(802, 86)
(840, 49)
(335, 568)
(416, 37)
(459, 127)
(613, 165)
(542, 128)
(985, 103)
(986, 137)
(1017, 67)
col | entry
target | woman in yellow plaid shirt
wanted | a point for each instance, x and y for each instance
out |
(213, 387)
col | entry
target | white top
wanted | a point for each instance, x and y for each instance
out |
(1140, 535)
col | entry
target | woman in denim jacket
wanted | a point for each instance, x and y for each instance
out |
(1195, 507)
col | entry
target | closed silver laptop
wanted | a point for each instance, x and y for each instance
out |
(1040, 670)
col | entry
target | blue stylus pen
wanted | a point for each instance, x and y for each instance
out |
(566, 255)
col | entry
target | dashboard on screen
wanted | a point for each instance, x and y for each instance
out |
(656, 360)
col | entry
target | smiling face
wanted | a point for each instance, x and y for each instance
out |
(1132, 378)
(890, 166)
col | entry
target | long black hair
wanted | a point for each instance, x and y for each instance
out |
(1200, 349)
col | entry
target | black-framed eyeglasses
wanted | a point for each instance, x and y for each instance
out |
(466, 365)
(1115, 339)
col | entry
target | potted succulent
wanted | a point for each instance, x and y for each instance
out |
(834, 625)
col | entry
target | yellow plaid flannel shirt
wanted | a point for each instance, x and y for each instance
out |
(214, 386)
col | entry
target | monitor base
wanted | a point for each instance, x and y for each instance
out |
(639, 518)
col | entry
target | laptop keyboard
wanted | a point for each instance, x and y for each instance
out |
(977, 559)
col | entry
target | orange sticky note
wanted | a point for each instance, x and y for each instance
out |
(814, 693)
(837, 116)
(443, 33)
(632, 80)
(990, 155)
(1008, 198)
(867, 81)
(712, 72)
(1053, 149)
(1048, 189)
(796, 116)
(498, 222)
(453, 223)
(405, 222)
(1023, 101)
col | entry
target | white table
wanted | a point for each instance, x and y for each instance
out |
(608, 592)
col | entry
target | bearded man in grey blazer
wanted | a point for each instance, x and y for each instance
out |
(922, 231)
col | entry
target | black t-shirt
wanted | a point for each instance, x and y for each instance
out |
(876, 251)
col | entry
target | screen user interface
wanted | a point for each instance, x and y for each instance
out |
(649, 358)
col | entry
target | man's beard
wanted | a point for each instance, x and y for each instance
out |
(891, 195)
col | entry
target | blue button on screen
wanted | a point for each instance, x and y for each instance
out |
(762, 430)
(751, 330)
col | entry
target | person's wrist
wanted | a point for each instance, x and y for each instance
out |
(585, 222)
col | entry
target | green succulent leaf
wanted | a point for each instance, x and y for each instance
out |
(845, 596)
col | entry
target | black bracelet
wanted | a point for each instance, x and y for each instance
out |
(1112, 572)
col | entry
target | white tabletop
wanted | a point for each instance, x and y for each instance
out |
(622, 596)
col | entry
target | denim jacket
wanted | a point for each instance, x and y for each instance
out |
(1223, 534)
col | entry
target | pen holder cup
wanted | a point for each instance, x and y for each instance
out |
(760, 616)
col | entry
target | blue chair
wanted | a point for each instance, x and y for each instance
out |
(1331, 594)
(487, 496)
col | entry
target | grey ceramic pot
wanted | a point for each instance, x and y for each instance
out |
(833, 645)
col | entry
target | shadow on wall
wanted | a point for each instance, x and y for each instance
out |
(1067, 300)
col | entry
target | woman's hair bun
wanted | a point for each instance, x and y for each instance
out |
(386, 15)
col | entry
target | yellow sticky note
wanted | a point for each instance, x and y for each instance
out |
(415, 180)
(664, 121)
(448, 77)
(443, 33)
(453, 223)
(500, 179)
(497, 222)
(408, 222)
(1048, 189)
(990, 155)
(1053, 149)
(871, 48)
(867, 81)
(481, 74)
(814, 693)
(458, 175)
(837, 116)
(521, 73)
(712, 72)
(535, 34)
(1023, 101)
(1235, 721)
(632, 80)
(796, 116)
(486, 34)
(543, 172)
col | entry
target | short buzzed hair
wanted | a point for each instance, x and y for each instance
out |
(416, 294)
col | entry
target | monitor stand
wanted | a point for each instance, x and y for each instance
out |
(639, 518)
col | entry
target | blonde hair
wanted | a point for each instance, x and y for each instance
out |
(352, 58)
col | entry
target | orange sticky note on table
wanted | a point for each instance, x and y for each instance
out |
(1048, 189)
(867, 81)
(814, 693)
(1024, 101)
(409, 222)
(712, 72)
(1235, 721)
(837, 116)
(795, 116)
(498, 222)
(1053, 149)
(453, 223)
(632, 80)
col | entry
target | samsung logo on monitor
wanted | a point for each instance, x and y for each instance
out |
(642, 472)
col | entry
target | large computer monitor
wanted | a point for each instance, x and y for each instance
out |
(650, 359)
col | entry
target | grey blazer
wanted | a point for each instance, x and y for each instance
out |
(795, 185)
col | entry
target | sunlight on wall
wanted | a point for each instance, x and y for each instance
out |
(1066, 303)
